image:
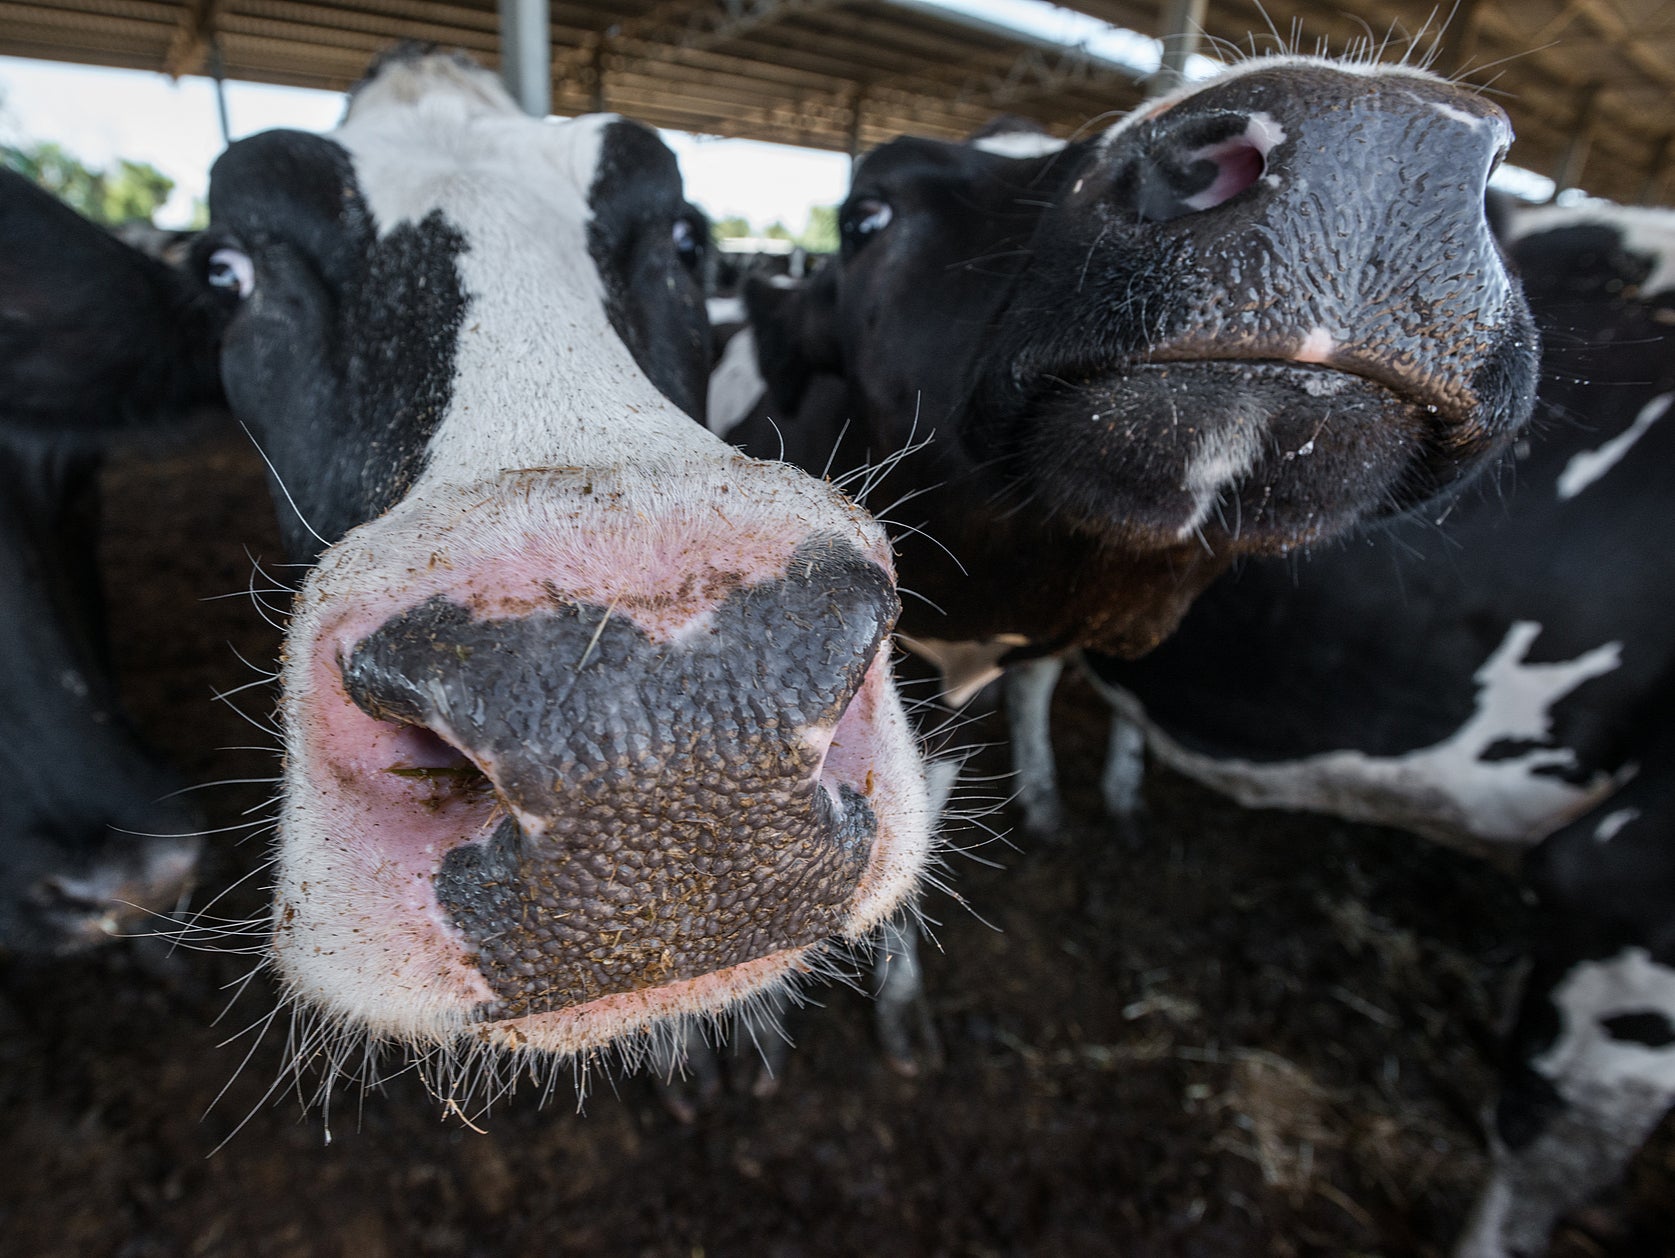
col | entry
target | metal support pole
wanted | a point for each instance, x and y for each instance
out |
(1569, 172)
(853, 136)
(596, 98)
(218, 72)
(1182, 22)
(526, 54)
(1651, 189)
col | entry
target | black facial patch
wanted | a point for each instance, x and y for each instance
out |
(652, 296)
(1647, 1026)
(342, 360)
(684, 828)
(403, 319)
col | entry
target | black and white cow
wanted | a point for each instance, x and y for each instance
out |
(589, 719)
(91, 845)
(1499, 672)
(1240, 320)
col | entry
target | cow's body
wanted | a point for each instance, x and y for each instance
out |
(589, 720)
(91, 842)
(1498, 672)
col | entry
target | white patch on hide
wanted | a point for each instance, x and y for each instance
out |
(725, 310)
(1019, 144)
(1644, 230)
(1585, 1055)
(1446, 791)
(1588, 466)
(735, 384)
(1611, 826)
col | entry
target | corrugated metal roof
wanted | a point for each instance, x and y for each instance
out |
(838, 74)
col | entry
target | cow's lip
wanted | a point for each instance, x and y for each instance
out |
(1404, 389)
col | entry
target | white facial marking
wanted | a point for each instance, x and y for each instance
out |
(1224, 455)
(1612, 825)
(540, 376)
(735, 384)
(1446, 791)
(1458, 115)
(1317, 347)
(1019, 144)
(1589, 465)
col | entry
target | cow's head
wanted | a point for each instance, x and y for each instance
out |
(1240, 320)
(589, 719)
(95, 841)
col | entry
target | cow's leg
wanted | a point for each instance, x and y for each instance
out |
(1122, 780)
(905, 1028)
(1124, 774)
(1591, 1066)
(1029, 704)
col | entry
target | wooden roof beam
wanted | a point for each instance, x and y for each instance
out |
(190, 44)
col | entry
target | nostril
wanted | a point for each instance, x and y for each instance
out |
(1193, 164)
(1239, 163)
(423, 755)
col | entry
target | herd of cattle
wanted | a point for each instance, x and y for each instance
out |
(590, 719)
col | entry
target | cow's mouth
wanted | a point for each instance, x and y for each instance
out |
(432, 784)
(1240, 455)
(1321, 370)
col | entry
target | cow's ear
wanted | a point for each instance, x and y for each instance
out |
(795, 325)
(94, 334)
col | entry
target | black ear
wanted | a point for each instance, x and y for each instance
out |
(95, 335)
(796, 328)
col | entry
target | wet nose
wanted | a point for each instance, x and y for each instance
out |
(650, 801)
(1342, 217)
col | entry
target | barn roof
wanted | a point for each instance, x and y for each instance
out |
(1589, 83)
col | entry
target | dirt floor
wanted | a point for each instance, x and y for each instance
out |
(1253, 1034)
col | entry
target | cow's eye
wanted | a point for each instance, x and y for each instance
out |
(864, 219)
(232, 271)
(689, 240)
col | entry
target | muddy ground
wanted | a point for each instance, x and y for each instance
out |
(1256, 1034)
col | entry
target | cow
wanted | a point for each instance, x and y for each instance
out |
(589, 721)
(1495, 674)
(93, 841)
(1239, 322)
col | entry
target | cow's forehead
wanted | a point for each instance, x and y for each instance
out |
(1479, 112)
(421, 140)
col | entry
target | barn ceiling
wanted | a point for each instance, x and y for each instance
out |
(1589, 83)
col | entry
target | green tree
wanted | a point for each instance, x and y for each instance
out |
(732, 227)
(821, 234)
(777, 231)
(125, 191)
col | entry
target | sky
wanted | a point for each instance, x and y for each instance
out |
(99, 115)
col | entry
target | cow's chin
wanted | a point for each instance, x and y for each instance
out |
(1239, 456)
